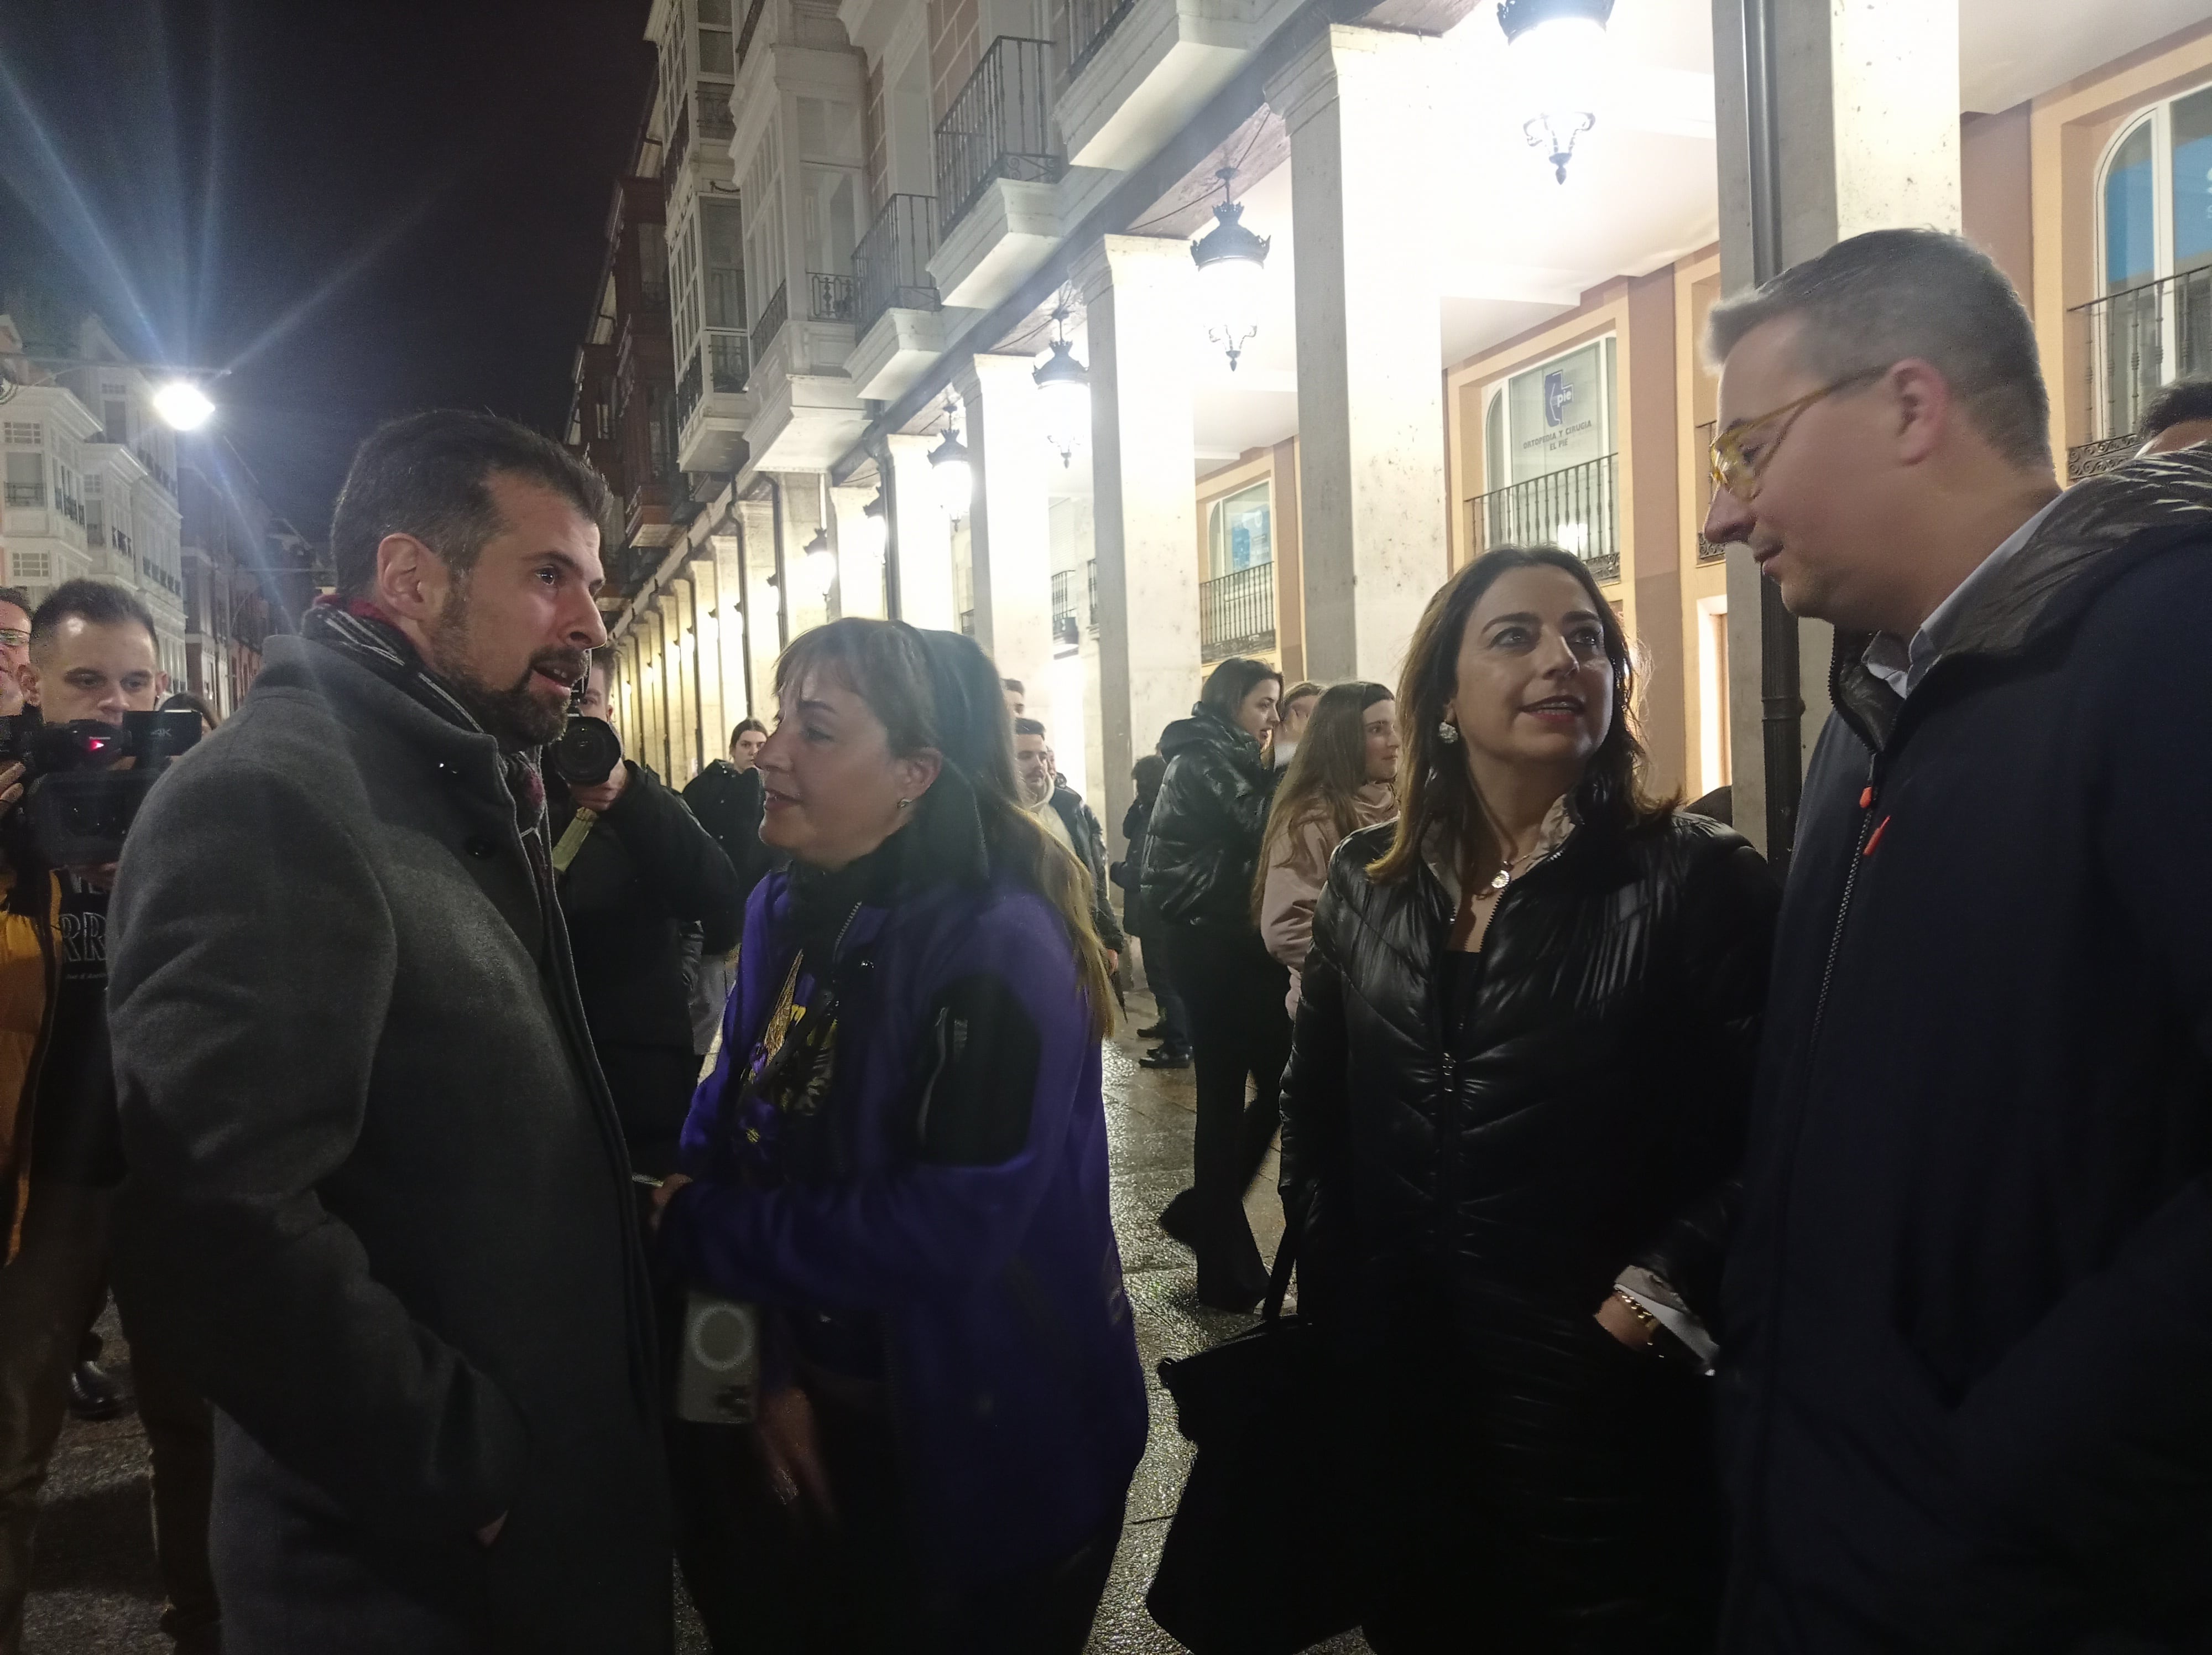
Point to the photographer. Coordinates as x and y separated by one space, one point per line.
92 657
632 868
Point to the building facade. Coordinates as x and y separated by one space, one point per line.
883 214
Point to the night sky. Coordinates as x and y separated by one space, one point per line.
366 206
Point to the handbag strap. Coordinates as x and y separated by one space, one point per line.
1286 1258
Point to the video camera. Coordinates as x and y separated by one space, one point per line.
587 749
80 798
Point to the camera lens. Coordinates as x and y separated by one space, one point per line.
586 752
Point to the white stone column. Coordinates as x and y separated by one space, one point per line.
1361 105
730 609
706 651
1137 292
762 616
925 537
1009 532
859 554
653 678
1868 95
630 723
675 601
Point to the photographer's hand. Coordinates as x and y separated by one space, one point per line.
601 798
11 786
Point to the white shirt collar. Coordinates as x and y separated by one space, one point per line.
1902 666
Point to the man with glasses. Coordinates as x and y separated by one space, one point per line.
15 646
1969 1346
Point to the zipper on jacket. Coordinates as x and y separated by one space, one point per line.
1861 845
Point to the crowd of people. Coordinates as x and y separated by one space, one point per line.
1703 1260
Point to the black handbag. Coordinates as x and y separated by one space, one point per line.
1261 1557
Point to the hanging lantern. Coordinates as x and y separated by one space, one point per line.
1230 262
1555 53
956 477
1064 395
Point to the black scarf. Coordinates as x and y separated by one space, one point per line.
362 633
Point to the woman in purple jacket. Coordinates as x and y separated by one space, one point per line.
901 1157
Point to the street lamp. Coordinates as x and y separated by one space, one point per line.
1064 393
1555 50
956 477
183 405
1231 261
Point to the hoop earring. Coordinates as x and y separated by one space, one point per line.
1448 732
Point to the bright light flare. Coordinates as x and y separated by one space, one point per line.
183 405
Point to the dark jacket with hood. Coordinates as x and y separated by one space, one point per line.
1970 1305
1207 822
647 870
728 802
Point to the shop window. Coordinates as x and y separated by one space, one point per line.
1550 460
1240 531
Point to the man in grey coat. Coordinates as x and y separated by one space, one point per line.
377 1199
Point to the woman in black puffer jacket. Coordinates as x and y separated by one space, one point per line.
1512 1123
1199 861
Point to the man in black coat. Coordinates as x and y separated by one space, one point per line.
377 1203
631 876
1968 1334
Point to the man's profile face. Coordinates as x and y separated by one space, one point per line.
1014 707
2182 433
513 635
87 670
1033 763
1823 474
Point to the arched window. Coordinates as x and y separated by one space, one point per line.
2152 320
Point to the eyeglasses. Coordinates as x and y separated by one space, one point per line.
13 639
1736 471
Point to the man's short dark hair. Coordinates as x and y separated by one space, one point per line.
2179 403
96 603
1880 297
426 474
17 596
1029 726
1015 684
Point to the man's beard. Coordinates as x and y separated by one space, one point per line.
514 716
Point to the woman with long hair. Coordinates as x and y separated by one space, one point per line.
901 1157
1339 782
1199 859
1512 1125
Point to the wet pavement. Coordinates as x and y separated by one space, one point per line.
94 1590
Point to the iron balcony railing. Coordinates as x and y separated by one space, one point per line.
1708 552
26 494
726 360
690 386
1575 509
715 120
770 321
890 267
1236 612
830 298
2128 344
999 126
1066 624
1085 25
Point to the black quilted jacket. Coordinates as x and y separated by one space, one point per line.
1601 1123
1203 846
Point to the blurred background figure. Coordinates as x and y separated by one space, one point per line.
1061 812
1339 782
1513 1121
1199 859
727 799
1291 719
2178 417
1138 921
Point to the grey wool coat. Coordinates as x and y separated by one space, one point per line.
377 1205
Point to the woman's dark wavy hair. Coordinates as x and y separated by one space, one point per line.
939 691
1433 783
1228 685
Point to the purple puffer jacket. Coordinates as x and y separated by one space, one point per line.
1018 1397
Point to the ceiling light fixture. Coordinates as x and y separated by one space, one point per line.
1064 389
1231 261
948 465
1555 52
